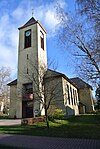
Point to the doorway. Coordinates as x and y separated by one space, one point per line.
27 109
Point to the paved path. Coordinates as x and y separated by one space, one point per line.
33 142
7 122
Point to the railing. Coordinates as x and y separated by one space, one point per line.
27 96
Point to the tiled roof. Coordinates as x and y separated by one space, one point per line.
51 73
77 82
80 83
12 83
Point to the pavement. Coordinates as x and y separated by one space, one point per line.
10 122
34 142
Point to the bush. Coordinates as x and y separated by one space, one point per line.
3 116
57 114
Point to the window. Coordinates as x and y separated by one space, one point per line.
27 38
27 70
68 94
28 88
71 95
27 56
74 96
42 40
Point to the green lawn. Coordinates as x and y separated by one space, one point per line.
84 126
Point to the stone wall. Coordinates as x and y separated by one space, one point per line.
30 121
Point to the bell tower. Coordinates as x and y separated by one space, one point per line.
32 63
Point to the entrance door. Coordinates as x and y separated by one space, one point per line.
27 109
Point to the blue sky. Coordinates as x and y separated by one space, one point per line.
15 13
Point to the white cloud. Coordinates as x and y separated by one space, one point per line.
8 43
3 25
18 13
48 16
10 21
7 57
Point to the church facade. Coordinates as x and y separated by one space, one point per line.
37 86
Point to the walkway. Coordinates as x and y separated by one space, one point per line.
9 122
33 142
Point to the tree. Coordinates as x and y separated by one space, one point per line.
43 87
5 73
91 9
81 35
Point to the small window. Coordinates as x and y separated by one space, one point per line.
68 94
42 40
71 95
74 96
27 38
28 88
27 70
27 56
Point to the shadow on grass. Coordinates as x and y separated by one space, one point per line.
84 126
85 119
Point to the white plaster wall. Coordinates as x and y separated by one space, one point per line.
71 109
37 59
13 99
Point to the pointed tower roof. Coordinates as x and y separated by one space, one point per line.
30 22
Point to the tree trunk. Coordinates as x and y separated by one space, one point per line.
46 114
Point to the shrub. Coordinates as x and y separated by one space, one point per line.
57 114
3 116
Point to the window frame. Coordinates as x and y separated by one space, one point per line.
41 40
27 39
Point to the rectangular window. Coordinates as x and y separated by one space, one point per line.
27 70
42 40
27 38
71 95
74 96
68 94
28 87
27 91
27 56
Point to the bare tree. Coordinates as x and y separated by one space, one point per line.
91 10
79 34
45 88
5 73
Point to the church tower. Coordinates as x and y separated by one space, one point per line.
32 64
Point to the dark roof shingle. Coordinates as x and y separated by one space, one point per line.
51 73
80 83
30 22
12 83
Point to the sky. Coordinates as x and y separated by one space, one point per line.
15 13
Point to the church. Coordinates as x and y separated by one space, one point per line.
38 87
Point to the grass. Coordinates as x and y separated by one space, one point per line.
84 126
